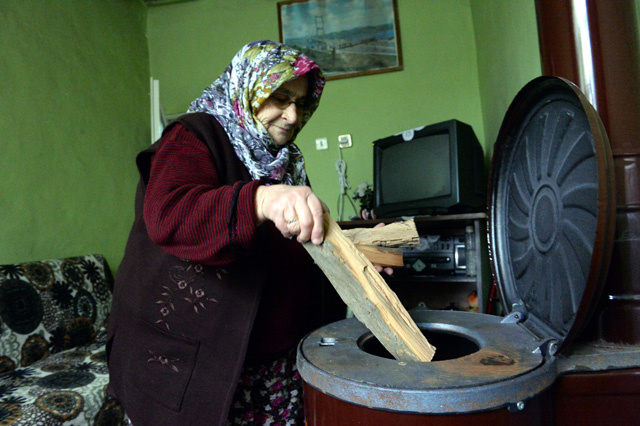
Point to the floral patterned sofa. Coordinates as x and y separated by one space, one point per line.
53 317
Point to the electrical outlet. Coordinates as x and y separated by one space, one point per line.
321 143
344 141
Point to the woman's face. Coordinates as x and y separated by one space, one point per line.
281 113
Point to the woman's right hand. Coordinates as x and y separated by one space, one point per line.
295 210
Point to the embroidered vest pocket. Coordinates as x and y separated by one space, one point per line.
164 364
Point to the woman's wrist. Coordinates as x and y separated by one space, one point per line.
259 202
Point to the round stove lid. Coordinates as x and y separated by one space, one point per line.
551 209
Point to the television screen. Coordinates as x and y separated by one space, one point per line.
399 165
430 170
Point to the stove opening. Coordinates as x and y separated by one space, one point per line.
449 345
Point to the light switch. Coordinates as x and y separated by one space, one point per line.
321 143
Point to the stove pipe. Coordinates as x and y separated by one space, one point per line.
595 44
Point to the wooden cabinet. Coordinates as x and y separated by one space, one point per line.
442 289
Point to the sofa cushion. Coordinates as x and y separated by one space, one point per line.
67 388
50 306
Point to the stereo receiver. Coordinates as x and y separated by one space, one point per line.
436 255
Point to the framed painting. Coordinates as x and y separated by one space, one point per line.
346 38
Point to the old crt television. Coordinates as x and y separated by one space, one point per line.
436 169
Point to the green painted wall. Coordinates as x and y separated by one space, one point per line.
74 110
508 56
74 107
191 43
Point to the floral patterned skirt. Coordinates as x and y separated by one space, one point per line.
269 394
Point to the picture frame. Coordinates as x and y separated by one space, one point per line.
346 38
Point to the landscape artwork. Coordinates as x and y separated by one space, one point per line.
346 38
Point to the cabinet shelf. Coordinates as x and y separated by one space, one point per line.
447 220
440 291
426 279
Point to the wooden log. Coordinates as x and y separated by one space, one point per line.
383 256
382 245
364 290
397 234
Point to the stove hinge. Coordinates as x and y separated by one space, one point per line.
548 347
518 314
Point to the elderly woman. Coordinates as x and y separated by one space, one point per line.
214 290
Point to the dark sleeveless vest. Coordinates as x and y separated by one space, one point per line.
178 331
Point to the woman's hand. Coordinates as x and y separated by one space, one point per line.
295 210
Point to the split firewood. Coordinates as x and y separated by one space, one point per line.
396 234
383 245
364 290
383 256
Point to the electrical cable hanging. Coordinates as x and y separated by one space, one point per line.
341 168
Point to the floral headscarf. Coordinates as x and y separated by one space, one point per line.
255 72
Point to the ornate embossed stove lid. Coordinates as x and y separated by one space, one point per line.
552 208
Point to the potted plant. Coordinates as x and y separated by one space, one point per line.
363 194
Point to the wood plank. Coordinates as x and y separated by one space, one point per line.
383 256
364 290
382 245
397 234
